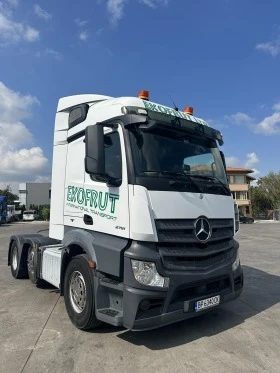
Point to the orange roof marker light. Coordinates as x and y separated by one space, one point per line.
144 95
188 110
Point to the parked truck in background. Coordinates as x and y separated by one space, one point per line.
19 209
143 224
3 209
11 214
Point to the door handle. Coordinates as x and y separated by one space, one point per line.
88 220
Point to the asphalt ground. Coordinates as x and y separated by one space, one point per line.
36 334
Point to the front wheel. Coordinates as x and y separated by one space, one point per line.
79 293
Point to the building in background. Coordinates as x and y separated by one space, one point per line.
239 183
34 194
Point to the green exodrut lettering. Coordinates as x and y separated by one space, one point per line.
92 198
81 196
113 198
169 111
103 202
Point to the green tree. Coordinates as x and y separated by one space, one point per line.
270 186
260 201
266 195
11 197
43 210
46 212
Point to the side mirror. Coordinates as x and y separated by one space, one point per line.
95 154
224 160
186 168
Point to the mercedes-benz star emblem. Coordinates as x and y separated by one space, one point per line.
202 229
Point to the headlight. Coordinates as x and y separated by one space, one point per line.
146 273
236 262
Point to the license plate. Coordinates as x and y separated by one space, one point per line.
206 303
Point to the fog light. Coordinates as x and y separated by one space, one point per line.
146 273
236 263
144 305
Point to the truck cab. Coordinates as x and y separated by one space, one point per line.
10 213
143 224
3 209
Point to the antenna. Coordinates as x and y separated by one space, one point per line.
175 107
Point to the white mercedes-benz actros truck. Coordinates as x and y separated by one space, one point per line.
142 226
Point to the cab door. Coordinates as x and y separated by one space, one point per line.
107 206
74 183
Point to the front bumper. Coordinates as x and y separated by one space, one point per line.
177 303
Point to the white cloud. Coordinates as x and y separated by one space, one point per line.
115 8
7 6
232 161
269 125
13 105
276 106
256 173
41 13
239 118
23 161
80 23
50 52
83 36
13 32
271 47
154 3
19 162
31 34
252 160
14 135
43 179
99 31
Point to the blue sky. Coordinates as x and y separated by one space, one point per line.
221 57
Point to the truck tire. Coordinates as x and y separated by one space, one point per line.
16 270
79 293
31 266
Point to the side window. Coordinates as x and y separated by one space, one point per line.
113 155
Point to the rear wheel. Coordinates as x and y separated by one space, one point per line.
79 293
32 266
16 269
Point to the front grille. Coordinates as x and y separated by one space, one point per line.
183 230
196 262
181 250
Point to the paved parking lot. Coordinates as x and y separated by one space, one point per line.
243 336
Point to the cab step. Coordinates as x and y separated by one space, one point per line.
110 316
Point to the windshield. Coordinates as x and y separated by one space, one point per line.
193 162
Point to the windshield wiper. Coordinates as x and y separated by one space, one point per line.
184 178
213 178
